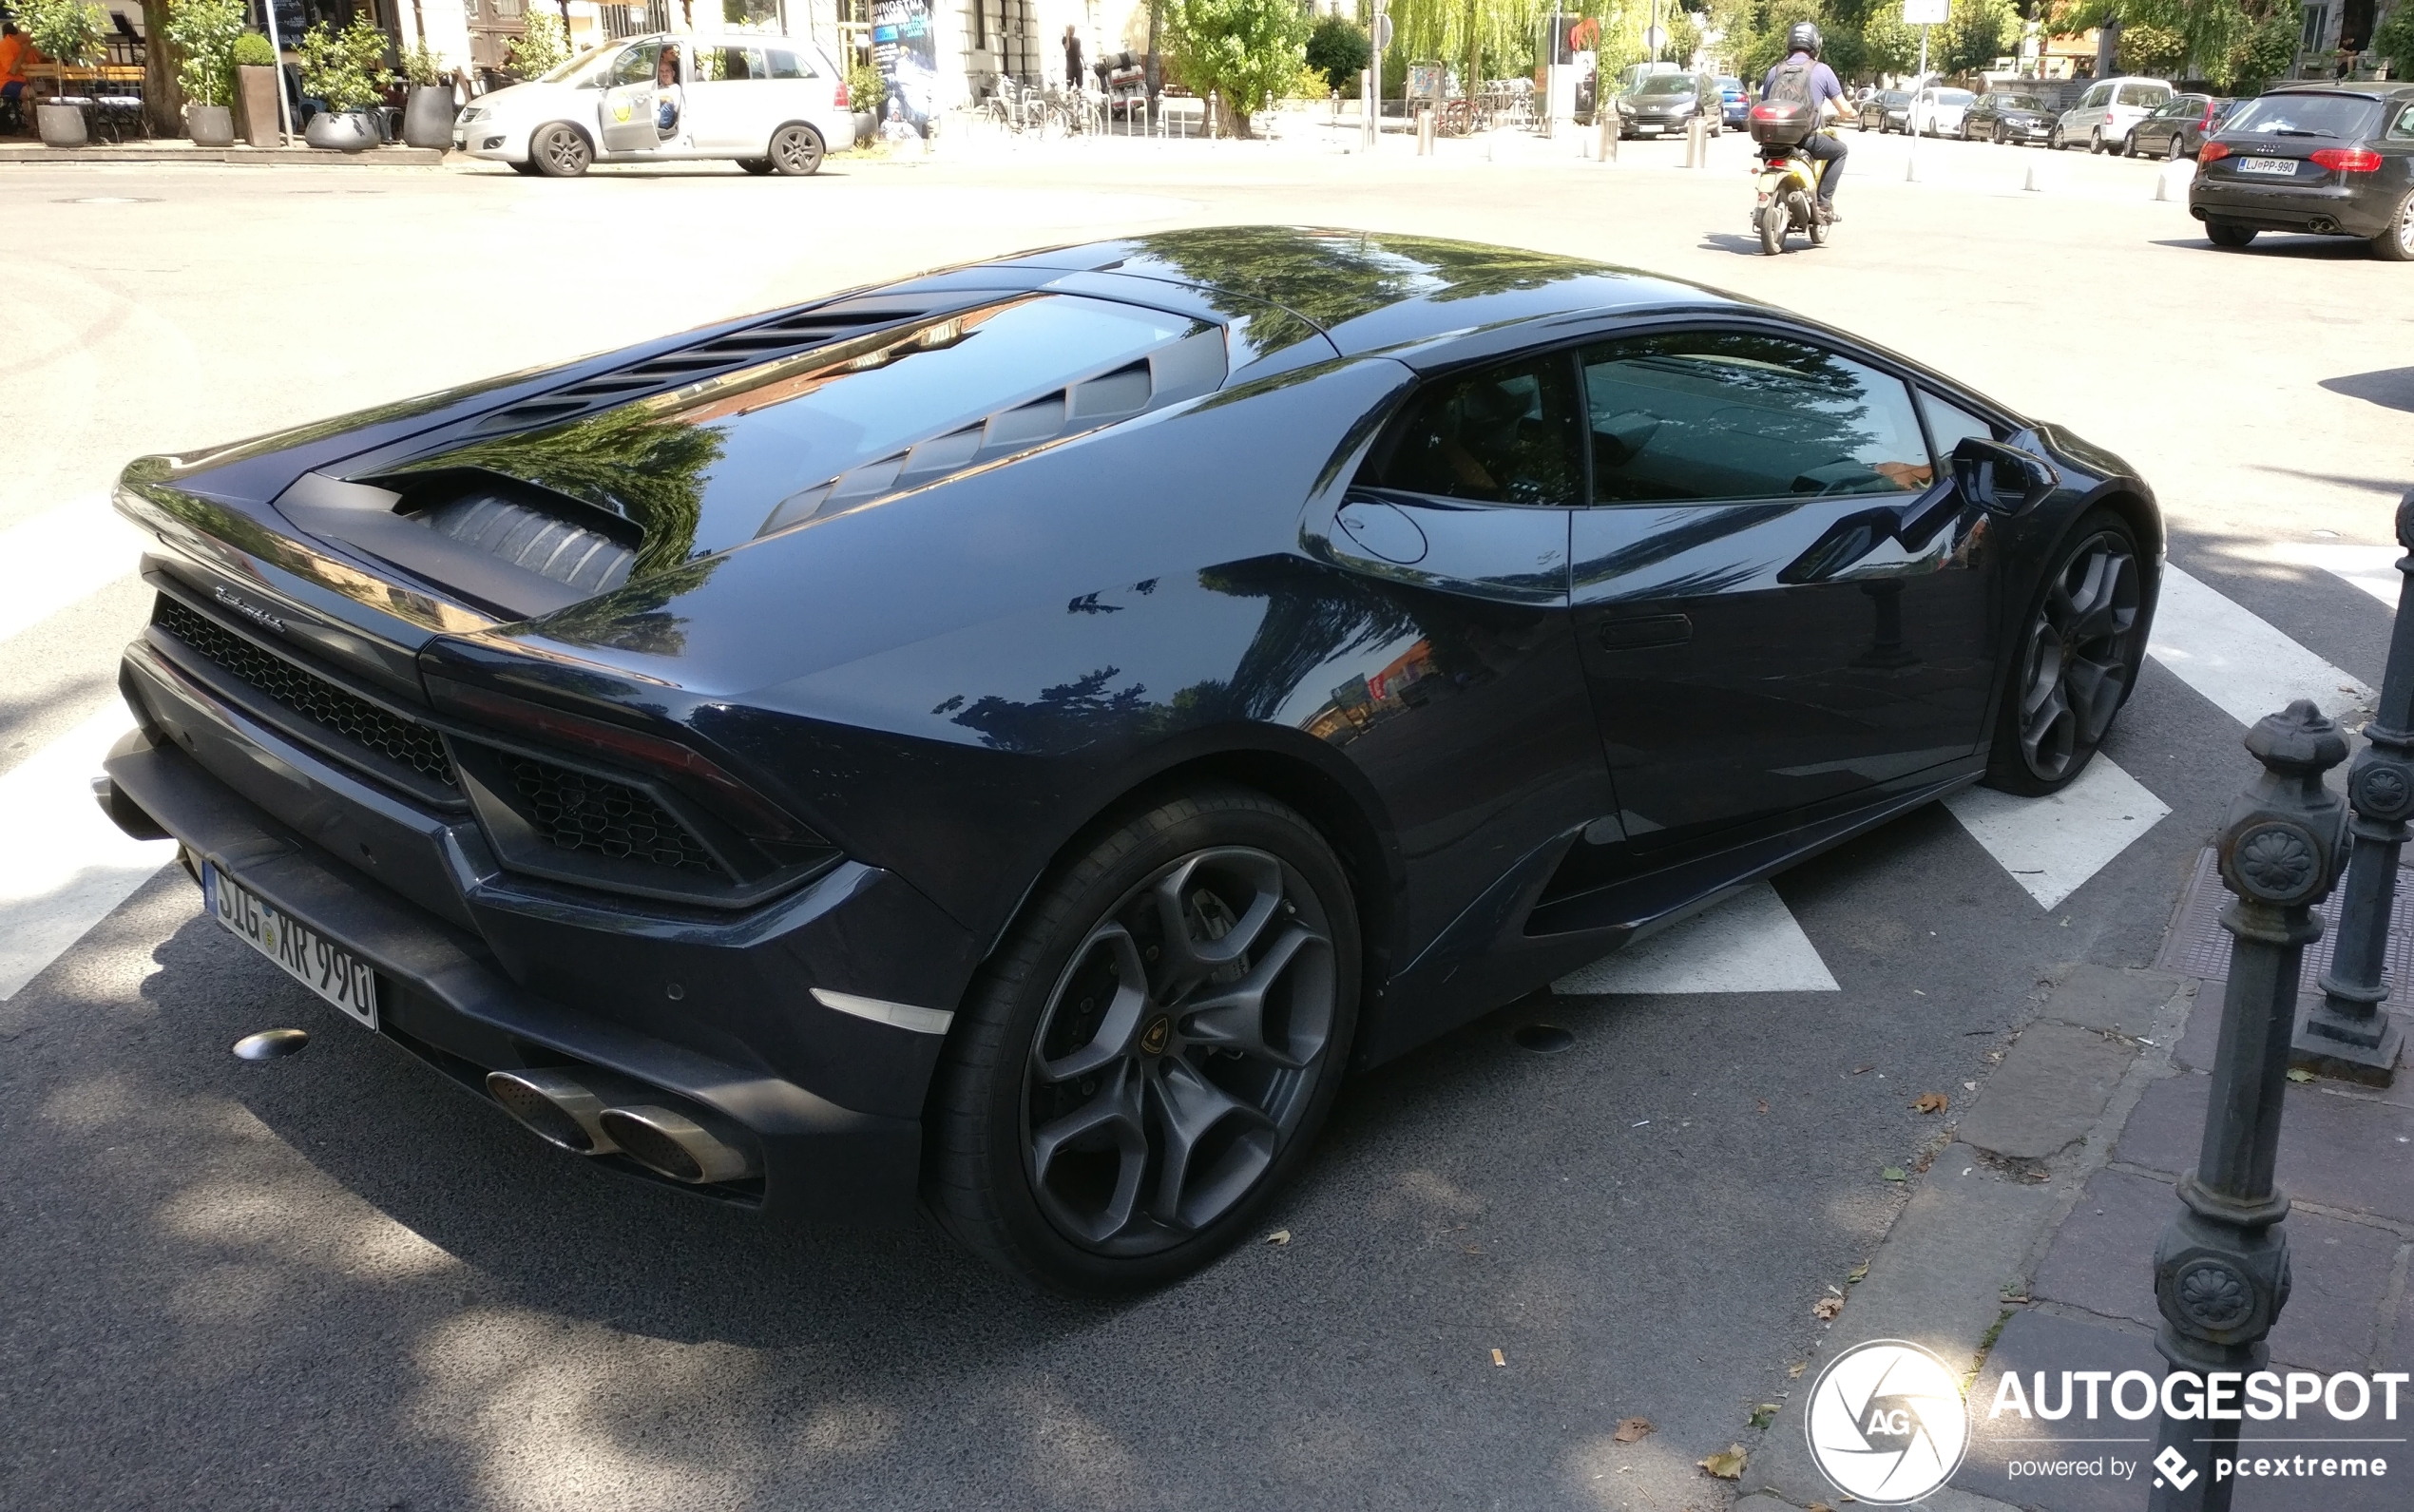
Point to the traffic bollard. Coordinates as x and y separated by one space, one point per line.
2347 1034
2221 1272
1607 121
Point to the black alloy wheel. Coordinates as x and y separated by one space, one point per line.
560 151
2227 234
2080 651
797 150
1152 1050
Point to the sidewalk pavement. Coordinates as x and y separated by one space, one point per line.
2028 1246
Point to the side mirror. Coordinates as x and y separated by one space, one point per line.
2000 479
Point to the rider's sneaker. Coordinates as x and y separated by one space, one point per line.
1828 212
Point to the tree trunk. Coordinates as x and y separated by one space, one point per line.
162 94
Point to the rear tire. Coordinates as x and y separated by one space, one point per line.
797 150
1055 1124
2396 244
2227 234
2129 146
2096 142
2171 152
559 151
2081 646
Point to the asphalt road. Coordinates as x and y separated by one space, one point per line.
335 1282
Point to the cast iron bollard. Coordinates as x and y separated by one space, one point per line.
2347 1034
2221 1273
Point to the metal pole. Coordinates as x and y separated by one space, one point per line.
1912 110
2221 1273
284 108
2348 1034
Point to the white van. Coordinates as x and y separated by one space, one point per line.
2104 114
772 105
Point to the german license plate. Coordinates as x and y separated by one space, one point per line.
307 956
2276 168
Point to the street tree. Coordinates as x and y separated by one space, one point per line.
2238 46
1237 50
1338 49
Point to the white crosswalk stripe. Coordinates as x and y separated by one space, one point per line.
2237 659
1749 943
2052 845
2370 568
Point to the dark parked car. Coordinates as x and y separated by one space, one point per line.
2178 128
2333 160
1888 110
1665 102
1012 739
2001 118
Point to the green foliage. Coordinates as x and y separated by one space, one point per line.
205 33
2394 41
1507 30
423 65
67 31
252 51
1240 49
1979 33
346 69
542 47
1338 49
866 90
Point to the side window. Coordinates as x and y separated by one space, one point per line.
1504 436
1732 414
636 65
2095 98
786 64
1949 425
2404 130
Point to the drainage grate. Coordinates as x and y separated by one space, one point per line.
2199 946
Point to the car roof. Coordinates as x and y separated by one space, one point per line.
1367 291
2376 90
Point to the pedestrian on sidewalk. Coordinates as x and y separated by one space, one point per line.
1072 58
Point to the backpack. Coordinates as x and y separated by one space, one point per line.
1792 82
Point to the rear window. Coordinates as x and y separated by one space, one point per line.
2144 94
2307 115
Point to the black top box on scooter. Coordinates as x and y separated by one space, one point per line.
1779 122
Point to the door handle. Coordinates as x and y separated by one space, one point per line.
1636 632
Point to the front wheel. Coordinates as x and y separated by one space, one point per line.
2055 141
2129 146
1151 1050
797 149
2080 651
560 151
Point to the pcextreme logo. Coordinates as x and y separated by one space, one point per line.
1887 1422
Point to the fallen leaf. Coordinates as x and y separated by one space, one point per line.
1931 1102
1279 1236
1859 1273
1728 1464
1630 1429
1763 1103
1498 1358
1764 1414
1793 1372
1892 1173
1825 1308
2299 1074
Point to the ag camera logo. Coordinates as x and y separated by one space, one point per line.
1887 1422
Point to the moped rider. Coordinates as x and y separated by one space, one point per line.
1803 80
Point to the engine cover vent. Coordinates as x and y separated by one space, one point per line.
536 540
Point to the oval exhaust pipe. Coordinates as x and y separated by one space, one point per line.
2323 225
564 1107
696 1147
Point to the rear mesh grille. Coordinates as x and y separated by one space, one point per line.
402 741
581 812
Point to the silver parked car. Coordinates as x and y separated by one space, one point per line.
2106 112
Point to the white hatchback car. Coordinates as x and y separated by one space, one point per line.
2104 114
771 103
1938 110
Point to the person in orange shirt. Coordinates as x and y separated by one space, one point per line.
15 52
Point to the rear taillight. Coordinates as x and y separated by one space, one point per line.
2108 118
2211 111
2348 160
2210 152
841 99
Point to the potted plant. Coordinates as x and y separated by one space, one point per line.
346 69
426 116
254 64
69 33
203 32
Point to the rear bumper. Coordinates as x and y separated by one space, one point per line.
2287 208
